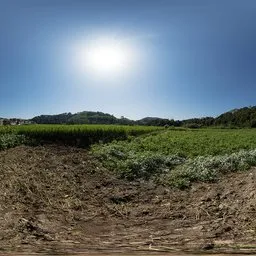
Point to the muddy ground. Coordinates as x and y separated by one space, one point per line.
57 199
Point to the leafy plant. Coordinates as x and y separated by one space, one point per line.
210 168
10 140
180 157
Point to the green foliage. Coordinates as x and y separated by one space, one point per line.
6 129
77 135
52 119
198 122
85 117
132 165
174 156
184 156
192 125
191 143
91 117
208 169
156 121
253 123
243 117
9 140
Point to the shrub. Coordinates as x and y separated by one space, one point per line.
148 166
133 165
209 169
10 140
193 126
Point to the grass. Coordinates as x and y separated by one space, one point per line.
180 157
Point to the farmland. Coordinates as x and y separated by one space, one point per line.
176 157
192 143
181 156
76 135
177 141
130 187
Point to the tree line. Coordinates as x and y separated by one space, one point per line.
244 117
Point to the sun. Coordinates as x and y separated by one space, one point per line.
104 57
107 58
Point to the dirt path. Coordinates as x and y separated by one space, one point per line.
60 200
115 254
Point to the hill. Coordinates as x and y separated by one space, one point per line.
244 117
91 117
85 117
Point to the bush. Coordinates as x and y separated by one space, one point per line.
193 126
253 123
10 140
132 165
209 169
171 169
148 166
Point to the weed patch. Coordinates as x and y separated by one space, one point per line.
10 140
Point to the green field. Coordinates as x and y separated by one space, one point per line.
173 156
192 143
181 156
76 135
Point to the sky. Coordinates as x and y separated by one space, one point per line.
187 58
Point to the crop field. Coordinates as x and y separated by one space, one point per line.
174 156
76 135
192 143
181 156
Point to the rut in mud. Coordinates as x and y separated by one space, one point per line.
58 198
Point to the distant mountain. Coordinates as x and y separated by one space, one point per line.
244 117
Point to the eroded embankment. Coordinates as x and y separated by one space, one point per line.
57 199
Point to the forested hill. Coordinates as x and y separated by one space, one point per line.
90 117
244 117
85 117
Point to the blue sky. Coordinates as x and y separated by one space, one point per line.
193 57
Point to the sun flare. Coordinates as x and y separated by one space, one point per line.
104 57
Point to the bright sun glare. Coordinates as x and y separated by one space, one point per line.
104 57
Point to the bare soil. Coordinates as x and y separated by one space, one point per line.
57 199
